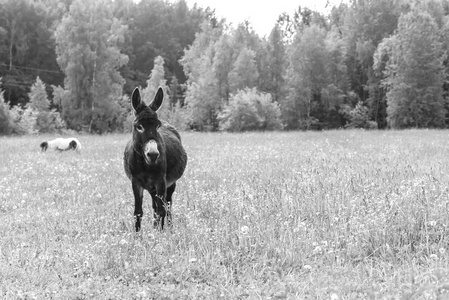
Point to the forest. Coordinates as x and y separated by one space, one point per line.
71 65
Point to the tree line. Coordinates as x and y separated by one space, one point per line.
367 64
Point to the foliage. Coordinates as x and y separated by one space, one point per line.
366 23
156 80
316 66
38 97
47 121
415 74
359 118
202 100
244 73
158 28
88 40
307 76
250 110
27 46
25 120
6 121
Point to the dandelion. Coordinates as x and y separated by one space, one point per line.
334 296
442 250
307 267
244 230
317 250
433 223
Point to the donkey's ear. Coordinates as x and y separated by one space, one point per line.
157 101
136 101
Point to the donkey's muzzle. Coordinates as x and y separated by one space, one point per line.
151 152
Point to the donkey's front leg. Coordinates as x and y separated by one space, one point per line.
159 204
138 196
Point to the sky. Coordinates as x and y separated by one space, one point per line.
262 14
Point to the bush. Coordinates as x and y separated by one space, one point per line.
6 122
359 117
24 120
178 117
249 110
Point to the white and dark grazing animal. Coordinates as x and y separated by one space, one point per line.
61 144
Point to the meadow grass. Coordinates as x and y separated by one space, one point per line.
299 215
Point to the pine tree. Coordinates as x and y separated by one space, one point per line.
156 80
38 97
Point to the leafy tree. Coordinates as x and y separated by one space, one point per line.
366 23
24 120
277 63
6 121
415 73
359 118
268 110
202 100
222 64
88 46
307 73
158 27
240 114
27 47
244 72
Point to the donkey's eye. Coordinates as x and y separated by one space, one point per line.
139 128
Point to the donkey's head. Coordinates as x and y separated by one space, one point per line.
146 123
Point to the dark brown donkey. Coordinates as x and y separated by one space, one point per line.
154 159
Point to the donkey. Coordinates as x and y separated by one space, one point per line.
154 159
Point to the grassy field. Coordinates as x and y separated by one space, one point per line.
305 215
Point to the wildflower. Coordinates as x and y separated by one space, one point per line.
307 267
334 296
433 223
244 230
442 250
192 260
433 256
317 250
